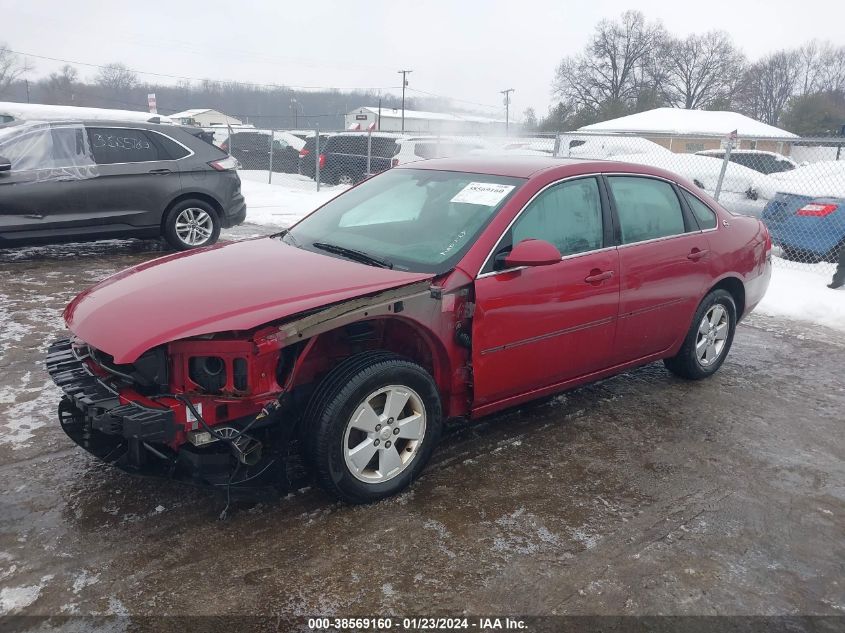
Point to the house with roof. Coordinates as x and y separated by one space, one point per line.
689 131
203 117
418 121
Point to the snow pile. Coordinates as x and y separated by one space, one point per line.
819 180
802 294
283 203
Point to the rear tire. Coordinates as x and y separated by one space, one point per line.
191 224
371 426
709 338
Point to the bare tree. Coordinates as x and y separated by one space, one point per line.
831 73
700 70
60 85
610 71
117 77
12 67
529 119
768 85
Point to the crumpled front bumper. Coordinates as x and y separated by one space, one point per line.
138 438
94 416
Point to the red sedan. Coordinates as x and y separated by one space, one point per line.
441 289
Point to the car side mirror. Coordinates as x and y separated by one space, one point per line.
5 164
532 252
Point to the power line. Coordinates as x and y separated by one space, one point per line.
431 94
258 84
188 78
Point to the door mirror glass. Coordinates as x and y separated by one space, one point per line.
5 164
532 252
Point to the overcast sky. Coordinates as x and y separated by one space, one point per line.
465 49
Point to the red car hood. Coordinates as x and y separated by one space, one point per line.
235 286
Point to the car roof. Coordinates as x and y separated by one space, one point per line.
516 166
375 134
528 166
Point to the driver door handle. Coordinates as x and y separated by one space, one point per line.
161 172
597 276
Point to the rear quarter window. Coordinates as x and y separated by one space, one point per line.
703 214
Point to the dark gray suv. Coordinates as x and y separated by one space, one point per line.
75 181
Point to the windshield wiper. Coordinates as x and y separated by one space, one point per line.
351 253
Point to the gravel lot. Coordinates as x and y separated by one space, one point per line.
642 494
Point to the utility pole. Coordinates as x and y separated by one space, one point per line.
404 83
507 102
27 89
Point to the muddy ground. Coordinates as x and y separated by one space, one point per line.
642 494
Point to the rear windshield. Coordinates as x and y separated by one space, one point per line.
415 219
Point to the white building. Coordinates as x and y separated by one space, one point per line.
204 117
683 130
417 121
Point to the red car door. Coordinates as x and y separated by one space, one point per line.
664 266
538 326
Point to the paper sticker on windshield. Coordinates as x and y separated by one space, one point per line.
487 193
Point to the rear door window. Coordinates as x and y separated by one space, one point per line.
648 209
122 145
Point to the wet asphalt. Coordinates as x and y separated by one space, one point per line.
642 494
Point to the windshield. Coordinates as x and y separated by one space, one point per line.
412 219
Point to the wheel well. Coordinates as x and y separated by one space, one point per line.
193 196
393 334
737 290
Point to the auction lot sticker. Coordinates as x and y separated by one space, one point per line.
487 193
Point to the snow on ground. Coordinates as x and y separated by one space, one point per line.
799 291
289 198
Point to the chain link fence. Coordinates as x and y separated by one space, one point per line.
796 186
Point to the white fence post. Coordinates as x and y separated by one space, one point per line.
270 174
725 162
317 156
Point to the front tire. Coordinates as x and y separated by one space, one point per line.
191 224
709 338
371 426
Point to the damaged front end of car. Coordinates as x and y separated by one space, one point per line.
221 409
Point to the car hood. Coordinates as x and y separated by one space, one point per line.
234 286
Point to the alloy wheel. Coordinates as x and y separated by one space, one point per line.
194 226
712 335
384 434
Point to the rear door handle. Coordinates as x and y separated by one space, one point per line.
597 276
696 254
161 172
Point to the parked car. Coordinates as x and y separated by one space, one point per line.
806 213
75 181
741 190
253 151
307 160
424 147
344 159
442 289
758 160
